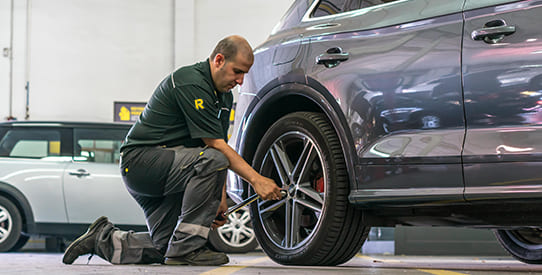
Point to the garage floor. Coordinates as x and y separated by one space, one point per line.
258 263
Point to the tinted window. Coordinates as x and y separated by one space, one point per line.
98 145
330 7
31 143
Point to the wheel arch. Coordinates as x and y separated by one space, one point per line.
287 95
19 199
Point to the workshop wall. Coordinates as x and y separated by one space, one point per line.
80 56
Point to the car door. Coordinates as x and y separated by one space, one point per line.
502 75
394 68
92 182
33 159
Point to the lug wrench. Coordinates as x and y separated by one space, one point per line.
244 203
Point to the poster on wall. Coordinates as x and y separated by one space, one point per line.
127 111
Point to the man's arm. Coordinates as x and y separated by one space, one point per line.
265 187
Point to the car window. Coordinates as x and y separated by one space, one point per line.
331 7
98 145
391 13
31 143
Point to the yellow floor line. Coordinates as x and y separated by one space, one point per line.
440 272
229 269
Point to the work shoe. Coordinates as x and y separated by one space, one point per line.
85 243
202 256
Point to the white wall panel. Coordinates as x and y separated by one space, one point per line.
185 31
253 19
87 54
5 19
83 55
20 62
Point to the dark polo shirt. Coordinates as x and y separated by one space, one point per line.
183 109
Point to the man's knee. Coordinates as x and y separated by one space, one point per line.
211 161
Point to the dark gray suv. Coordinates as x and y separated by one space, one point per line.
379 113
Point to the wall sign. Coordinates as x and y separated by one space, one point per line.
127 111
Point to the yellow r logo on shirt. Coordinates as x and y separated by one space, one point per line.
199 103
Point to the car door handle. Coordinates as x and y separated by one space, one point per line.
332 57
80 173
493 32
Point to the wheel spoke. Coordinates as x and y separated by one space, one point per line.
234 217
314 207
3 216
304 160
288 225
282 174
236 237
247 231
306 189
282 163
271 208
3 232
226 228
294 227
245 217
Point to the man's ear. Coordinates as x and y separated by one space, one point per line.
219 60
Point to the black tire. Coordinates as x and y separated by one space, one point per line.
237 235
23 239
10 225
314 224
523 244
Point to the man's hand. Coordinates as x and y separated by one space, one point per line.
222 208
266 188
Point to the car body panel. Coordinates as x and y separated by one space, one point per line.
63 191
102 192
34 180
383 90
476 4
503 92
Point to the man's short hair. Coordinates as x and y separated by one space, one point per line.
229 47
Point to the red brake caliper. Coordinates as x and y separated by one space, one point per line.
319 184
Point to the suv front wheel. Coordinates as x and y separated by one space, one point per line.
314 224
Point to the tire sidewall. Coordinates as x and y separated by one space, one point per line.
521 253
16 227
303 123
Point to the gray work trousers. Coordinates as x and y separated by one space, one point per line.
179 210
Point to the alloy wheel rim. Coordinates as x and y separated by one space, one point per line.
237 232
295 162
5 224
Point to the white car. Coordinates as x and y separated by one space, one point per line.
57 177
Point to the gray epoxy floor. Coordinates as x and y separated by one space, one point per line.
258 263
